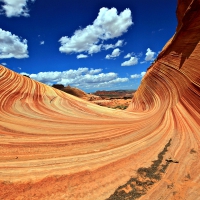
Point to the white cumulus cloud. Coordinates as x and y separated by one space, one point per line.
143 73
128 55
119 43
138 75
132 61
94 49
115 53
107 25
82 78
81 56
150 55
11 46
24 73
94 71
15 8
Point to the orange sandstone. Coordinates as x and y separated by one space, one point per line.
57 146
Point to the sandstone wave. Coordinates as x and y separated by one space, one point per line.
56 146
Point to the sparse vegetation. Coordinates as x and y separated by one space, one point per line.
26 76
115 94
144 179
192 151
170 186
188 176
122 107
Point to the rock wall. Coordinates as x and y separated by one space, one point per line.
57 146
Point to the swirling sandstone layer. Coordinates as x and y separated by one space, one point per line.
57 146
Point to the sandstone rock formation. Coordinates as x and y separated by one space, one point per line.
116 94
57 146
77 92
71 90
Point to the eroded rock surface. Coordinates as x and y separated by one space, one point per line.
57 146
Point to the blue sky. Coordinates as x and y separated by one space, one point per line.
92 45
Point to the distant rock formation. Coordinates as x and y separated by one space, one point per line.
57 146
70 90
115 94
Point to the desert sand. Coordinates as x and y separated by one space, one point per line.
57 146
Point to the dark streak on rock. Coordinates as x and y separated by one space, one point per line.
145 178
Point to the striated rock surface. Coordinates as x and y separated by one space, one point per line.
71 90
57 146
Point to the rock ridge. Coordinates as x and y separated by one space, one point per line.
57 146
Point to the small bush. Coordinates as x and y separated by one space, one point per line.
122 107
